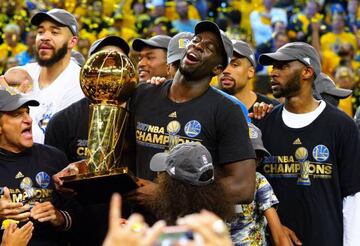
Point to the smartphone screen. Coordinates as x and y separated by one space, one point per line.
174 236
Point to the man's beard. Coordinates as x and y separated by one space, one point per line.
57 56
229 90
293 85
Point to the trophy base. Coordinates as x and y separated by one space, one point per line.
96 188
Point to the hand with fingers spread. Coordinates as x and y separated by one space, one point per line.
156 80
46 212
14 236
134 232
210 227
12 210
260 110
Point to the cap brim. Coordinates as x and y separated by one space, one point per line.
158 162
270 58
112 40
262 152
339 92
39 17
18 103
175 58
139 44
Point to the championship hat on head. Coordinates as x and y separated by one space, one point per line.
296 51
60 16
209 26
256 141
190 163
177 45
243 49
324 84
11 100
158 41
109 40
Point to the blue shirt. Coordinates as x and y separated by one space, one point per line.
238 102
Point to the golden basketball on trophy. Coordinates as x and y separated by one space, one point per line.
108 78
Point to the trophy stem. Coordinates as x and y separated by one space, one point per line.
106 124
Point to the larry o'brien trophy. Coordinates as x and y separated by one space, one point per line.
108 78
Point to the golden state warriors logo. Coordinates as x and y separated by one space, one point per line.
192 128
320 153
42 179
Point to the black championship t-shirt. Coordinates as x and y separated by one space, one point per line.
311 170
210 119
28 177
67 130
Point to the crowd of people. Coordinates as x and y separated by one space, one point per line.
290 177
330 26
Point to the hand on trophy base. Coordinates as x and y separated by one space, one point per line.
93 187
70 171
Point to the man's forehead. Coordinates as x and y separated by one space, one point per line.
147 50
52 24
209 35
21 109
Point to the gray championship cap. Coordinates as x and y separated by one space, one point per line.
209 26
60 16
109 40
324 84
296 51
11 100
158 41
243 49
177 45
256 141
190 163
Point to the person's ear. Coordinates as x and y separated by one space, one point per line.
308 73
218 70
251 72
168 67
73 42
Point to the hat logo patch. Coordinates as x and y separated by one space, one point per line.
192 128
321 153
253 133
172 170
183 43
307 60
204 159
